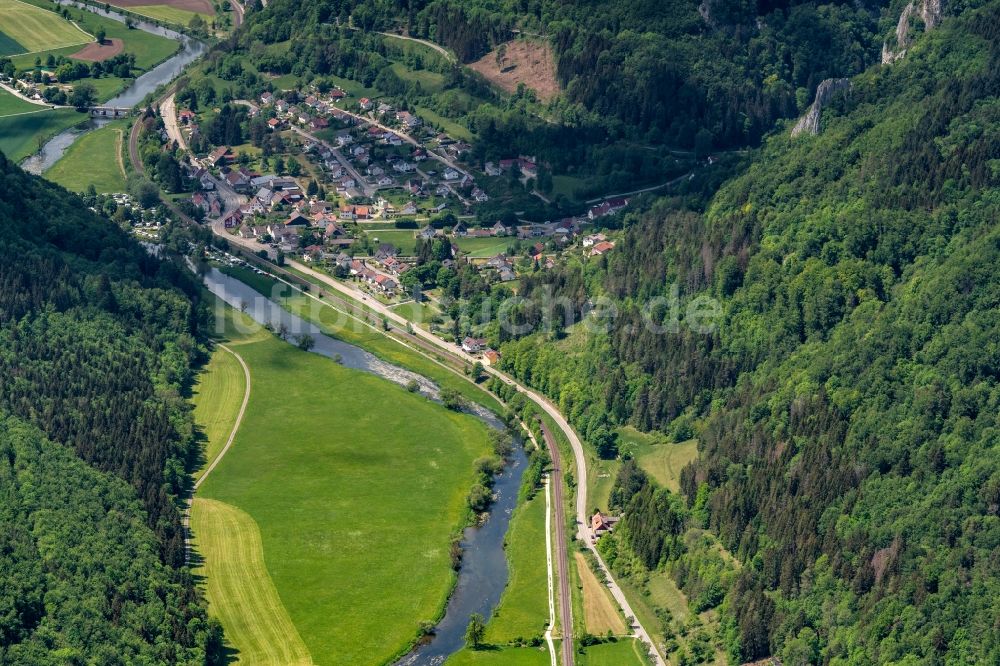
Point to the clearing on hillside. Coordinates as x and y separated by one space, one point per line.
530 62
27 29
95 52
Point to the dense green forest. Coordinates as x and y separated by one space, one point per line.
673 72
846 401
97 341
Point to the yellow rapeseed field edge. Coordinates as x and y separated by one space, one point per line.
240 591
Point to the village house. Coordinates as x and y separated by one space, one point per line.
609 207
220 156
601 524
266 98
297 220
593 239
472 345
601 248
491 357
408 120
491 169
365 104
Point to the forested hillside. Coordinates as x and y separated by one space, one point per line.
715 74
96 343
846 403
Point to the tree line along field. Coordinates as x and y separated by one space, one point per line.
355 487
28 28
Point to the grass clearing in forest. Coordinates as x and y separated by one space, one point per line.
357 487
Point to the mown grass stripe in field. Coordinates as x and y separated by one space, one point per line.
240 592
36 29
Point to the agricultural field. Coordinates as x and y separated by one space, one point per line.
217 396
11 105
523 611
27 28
149 50
521 656
178 12
623 652
356 487
599 613
483 247
239 591
21 135
93 159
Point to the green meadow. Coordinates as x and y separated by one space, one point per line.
356 487
11 105
623 652
93 159
22 135
523 612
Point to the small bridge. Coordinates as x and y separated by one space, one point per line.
110 111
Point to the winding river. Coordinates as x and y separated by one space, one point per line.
483 575
165 72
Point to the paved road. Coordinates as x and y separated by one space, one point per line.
366 187
238 10
168 111
437 47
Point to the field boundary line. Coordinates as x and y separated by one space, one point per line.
236 425
26 113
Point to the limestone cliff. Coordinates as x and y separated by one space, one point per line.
929 13
824 93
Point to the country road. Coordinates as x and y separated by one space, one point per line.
437 47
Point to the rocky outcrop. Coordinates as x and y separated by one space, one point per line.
930 15
824 93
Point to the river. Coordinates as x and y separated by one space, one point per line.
165 72
484 573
